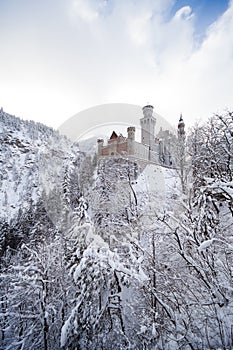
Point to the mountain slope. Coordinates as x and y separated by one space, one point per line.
28 151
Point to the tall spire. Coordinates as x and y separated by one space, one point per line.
181 125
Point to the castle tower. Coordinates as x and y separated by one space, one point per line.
131 133
181 131
131 140
182 153
100 147
148 126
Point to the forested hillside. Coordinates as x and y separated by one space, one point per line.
108 255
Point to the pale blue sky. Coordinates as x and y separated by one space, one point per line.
59 57
207 11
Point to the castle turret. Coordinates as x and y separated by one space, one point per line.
131 133
148 111
148 126
131 140
100 147
181 125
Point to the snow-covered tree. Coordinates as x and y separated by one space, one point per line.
194 256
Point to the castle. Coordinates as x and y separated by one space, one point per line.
153 148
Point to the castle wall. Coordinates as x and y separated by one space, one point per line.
105 151
141 151
154 156
114 148
159 153
122 147
131 147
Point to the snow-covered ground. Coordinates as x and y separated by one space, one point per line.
157 184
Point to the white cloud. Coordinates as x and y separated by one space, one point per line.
138 28
210 69
184 13
87 10
89 52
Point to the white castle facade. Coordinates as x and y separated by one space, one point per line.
152 148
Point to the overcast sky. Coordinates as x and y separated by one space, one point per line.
59 57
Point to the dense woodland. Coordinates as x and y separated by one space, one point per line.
92 259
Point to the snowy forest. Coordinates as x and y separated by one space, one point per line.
95 255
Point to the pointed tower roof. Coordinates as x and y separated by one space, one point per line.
113 136
181 121
181 125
